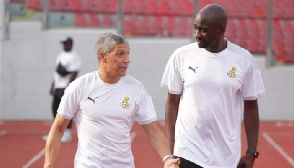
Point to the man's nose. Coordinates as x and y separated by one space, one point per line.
127 58
197 34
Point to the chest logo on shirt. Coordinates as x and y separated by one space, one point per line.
92 99
125 104
232 73
192 69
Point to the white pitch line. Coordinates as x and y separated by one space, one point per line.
2 133
133 135
34 159
279 124
278 148
284 124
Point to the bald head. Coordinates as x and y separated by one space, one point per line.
213 14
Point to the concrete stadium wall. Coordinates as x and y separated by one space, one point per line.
28 63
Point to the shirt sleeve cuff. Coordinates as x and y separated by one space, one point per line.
147 121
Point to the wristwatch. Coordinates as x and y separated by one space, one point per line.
255 153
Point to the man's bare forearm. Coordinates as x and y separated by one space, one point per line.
73 76
54 140
158 141
171 112
52 147
251 122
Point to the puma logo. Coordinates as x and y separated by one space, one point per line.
192 69
89 98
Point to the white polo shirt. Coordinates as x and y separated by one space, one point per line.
71 61
212 87
104 114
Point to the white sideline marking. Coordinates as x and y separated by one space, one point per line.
2 133
278 148
133 135
33 132
284 124
34 159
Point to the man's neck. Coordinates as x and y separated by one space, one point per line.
108 78
220 45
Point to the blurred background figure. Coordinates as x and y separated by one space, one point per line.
68 64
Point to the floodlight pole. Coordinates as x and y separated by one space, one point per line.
45 20
196 4
269 53
120 17
6 16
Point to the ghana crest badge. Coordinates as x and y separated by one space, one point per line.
232 73
125 104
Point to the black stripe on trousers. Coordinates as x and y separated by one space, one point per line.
186 163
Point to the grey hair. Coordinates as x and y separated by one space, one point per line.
107 42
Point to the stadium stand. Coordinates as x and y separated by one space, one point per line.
247 25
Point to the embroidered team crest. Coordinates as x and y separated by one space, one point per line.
232 73
125 104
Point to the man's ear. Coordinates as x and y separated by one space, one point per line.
102 57
222 28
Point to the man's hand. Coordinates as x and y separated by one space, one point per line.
51 91
247 161
171 163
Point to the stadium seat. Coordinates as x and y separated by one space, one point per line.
107 20
64 5
74 5
241 32
283 9
34 5
128 26
278 10
140 25
289 12
184 30
187 7
241 9
138 7
174 9
230 32
151 7
162 7
155 26
93 20
252 28
168 25
85 6
57 5
80 20
111 6
127 7
98 6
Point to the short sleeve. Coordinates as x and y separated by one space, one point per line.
171 77
146 113
252 86
75 63
69 104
